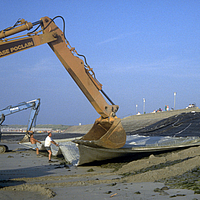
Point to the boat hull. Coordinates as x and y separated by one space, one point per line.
89 154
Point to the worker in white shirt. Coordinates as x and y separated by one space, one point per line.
47 144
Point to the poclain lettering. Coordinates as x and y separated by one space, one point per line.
21 46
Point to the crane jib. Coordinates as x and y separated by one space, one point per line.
13 47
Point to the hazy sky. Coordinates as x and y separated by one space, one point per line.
137 49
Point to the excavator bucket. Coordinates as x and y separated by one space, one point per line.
105 134
25 138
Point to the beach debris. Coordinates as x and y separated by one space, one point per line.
138 192
64 163
113 195
10 156
163 193
164 188
90 170
161 190
112 184
177 195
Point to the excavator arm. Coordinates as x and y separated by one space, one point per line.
107 130
34 105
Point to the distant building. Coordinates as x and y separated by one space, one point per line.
24 129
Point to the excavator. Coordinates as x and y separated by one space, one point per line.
107 131
34 105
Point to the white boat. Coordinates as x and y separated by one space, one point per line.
80 154
135 145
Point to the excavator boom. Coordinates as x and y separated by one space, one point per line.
107 130
34 105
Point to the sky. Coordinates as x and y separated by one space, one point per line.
138 49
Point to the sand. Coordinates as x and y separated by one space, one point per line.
23 175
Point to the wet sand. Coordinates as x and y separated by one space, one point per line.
23 175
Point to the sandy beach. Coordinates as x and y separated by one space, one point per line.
23 175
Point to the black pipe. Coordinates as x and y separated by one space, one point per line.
107 97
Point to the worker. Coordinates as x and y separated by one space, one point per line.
47 144
33 142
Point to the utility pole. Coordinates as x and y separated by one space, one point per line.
143 105
174 99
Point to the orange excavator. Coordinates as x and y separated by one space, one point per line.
107 131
